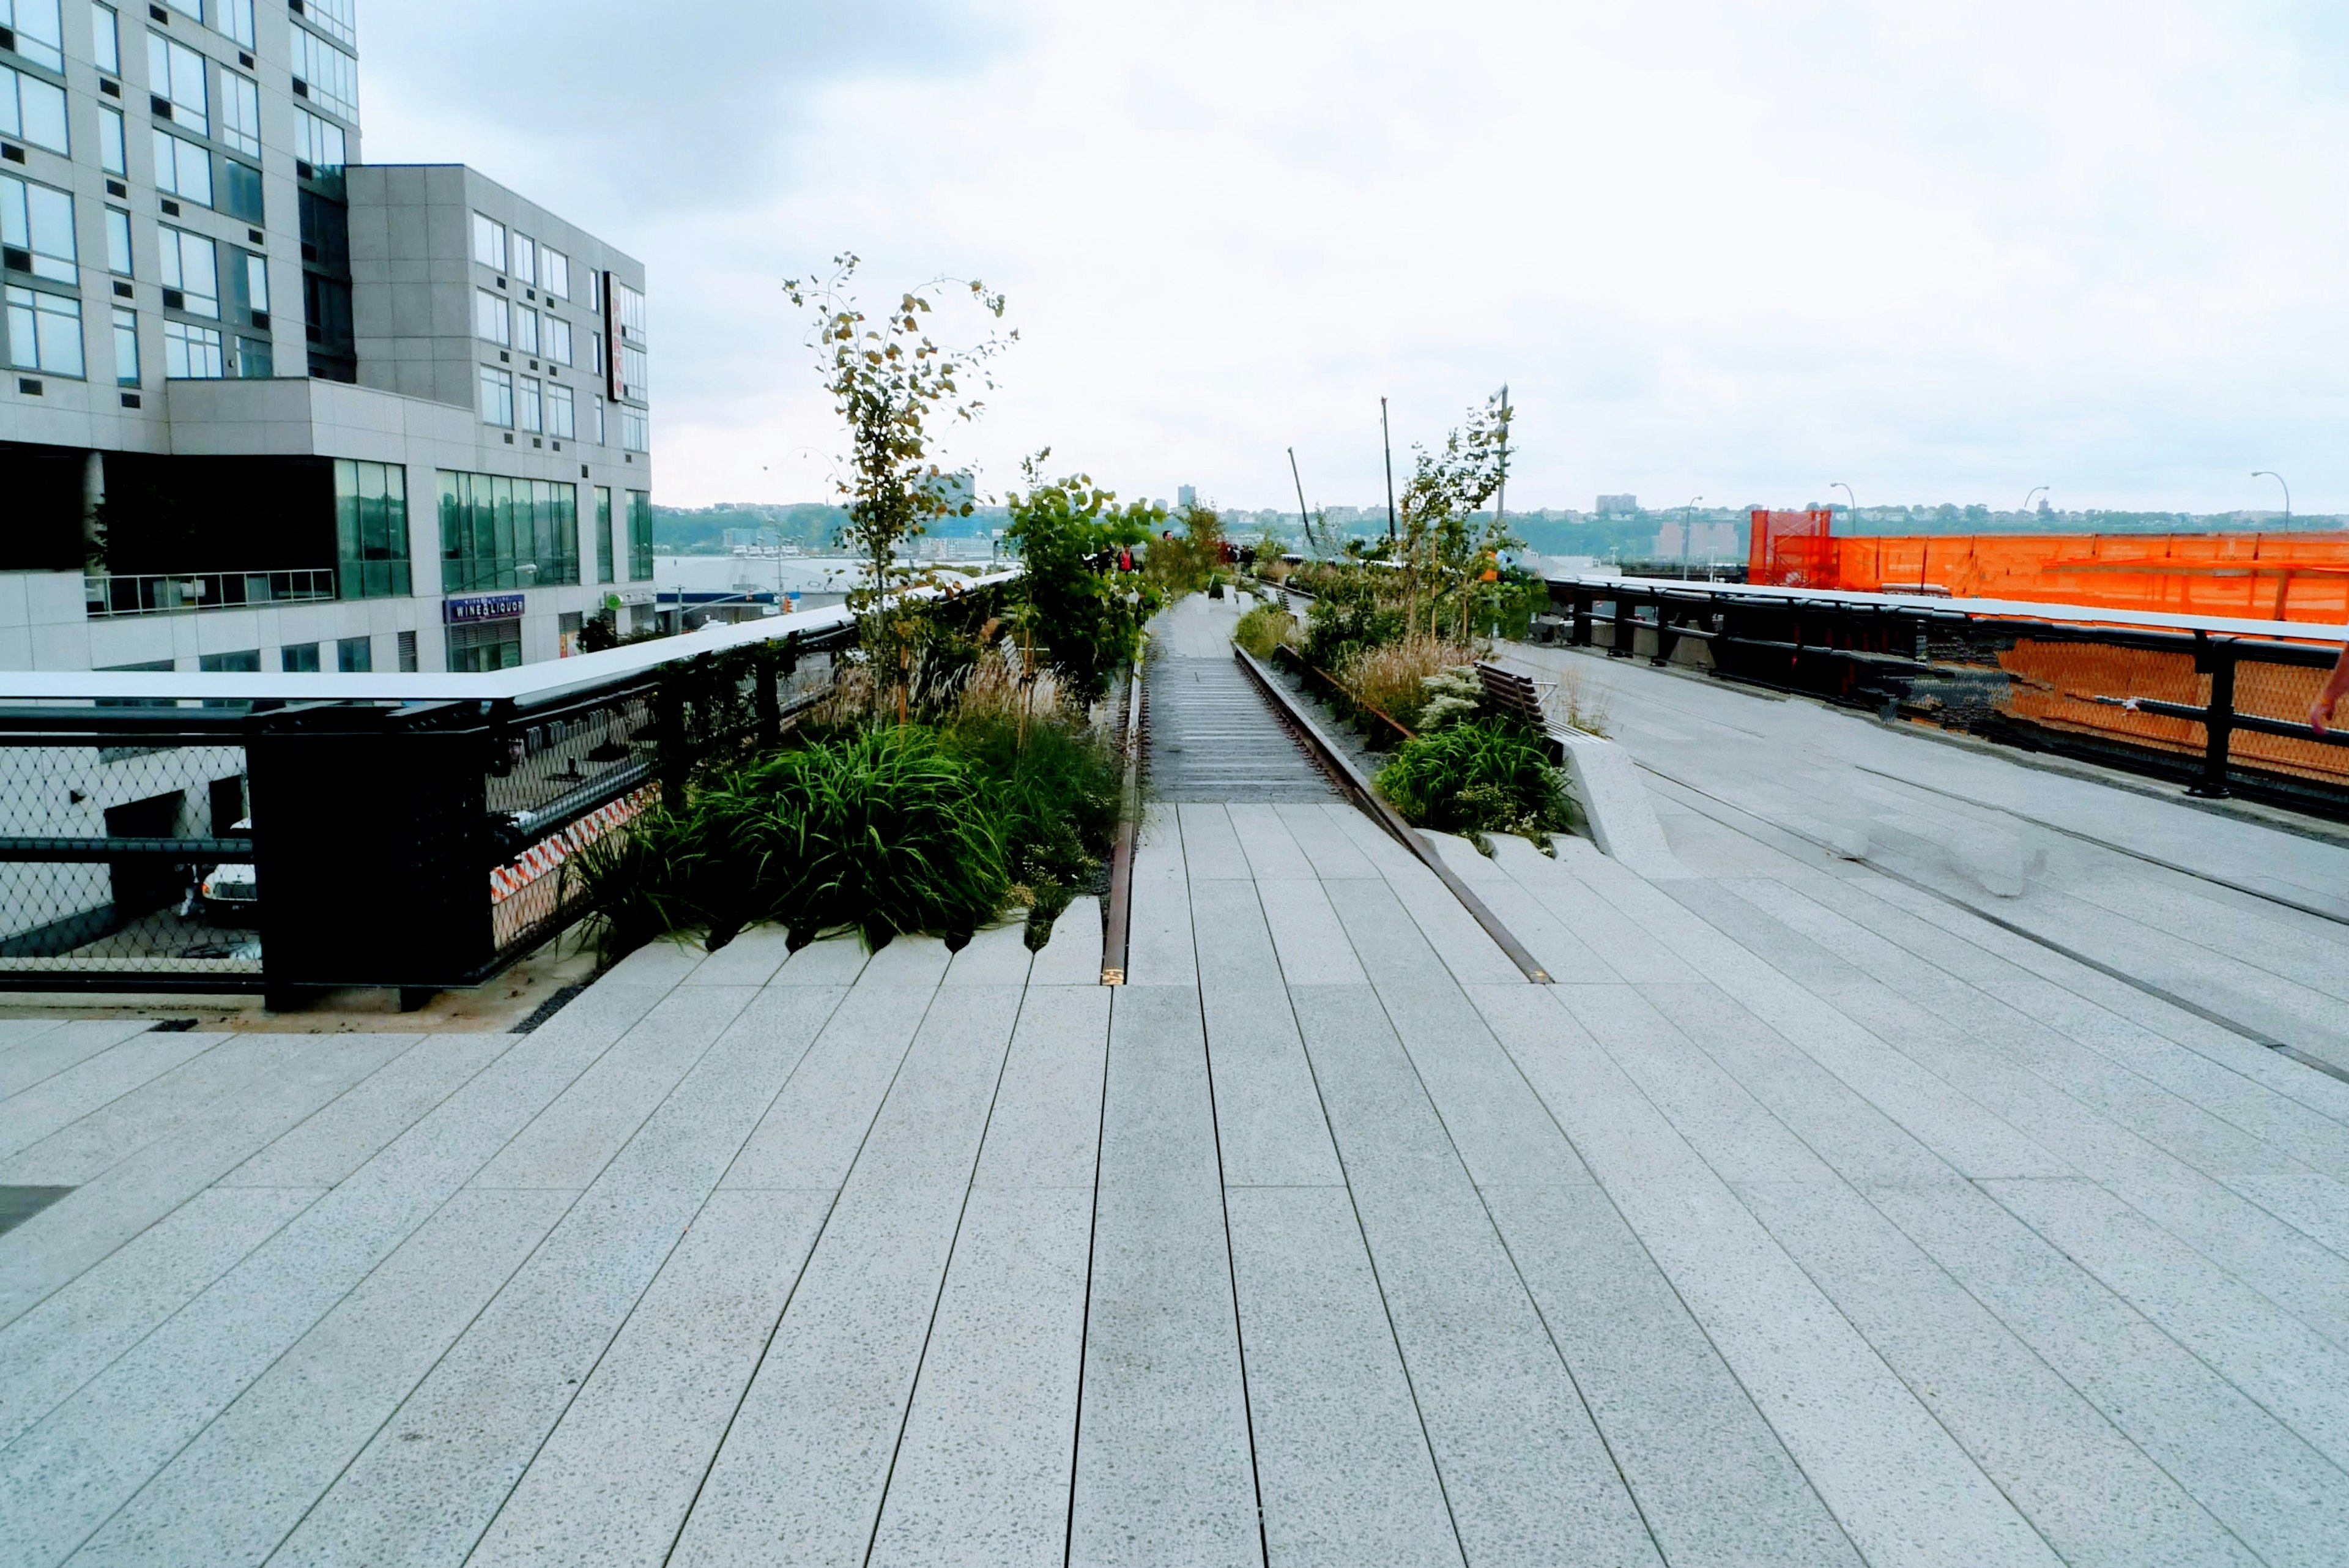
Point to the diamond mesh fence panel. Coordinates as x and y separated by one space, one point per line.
93 884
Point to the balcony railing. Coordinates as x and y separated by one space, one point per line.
164 593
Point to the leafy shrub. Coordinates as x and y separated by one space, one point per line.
1055 793
1484 776
1265 628
1453 696
885 830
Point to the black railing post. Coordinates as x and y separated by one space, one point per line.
1667 634
1580 636
668 744
2218 661
766 672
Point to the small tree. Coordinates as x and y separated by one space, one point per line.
889 382
1445 548
1084 615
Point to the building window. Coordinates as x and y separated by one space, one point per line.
37 231
331 76
320 143
246 662
237 20
493 319
336 18
256 358
190 266
240 191
561 416
489 242
182 169
241 113
191 353
600 439
635 430
126 346
39 29
595 289
298 658
558 339
636 371
603 534
497 398
526 321
632 311
554 273
528 413
371 530
525 260
33 109
44 331
355 655
175 75
498 532
640 535
106 39
113 153
490 645
596 351
255 274
117 242
406 643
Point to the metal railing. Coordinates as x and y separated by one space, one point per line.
165 593
2214 703
291 832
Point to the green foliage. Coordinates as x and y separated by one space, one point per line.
1449 554
1483 776
1056 794
884 830
1265 628
1081 618
1453 696
1354 608
889 382
1188 563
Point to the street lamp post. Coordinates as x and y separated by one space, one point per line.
2272 473
1851 509
2034 490
1688 514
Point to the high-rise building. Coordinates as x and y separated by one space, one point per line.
1618 505
266 406
1186 496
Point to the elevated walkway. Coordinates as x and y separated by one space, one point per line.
1850 1200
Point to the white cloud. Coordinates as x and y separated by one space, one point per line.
1939 252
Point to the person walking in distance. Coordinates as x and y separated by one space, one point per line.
2336 686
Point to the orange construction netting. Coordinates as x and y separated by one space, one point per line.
2250 576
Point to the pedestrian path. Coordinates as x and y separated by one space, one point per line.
1212 736
1808 1219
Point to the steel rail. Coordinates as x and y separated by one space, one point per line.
1387 818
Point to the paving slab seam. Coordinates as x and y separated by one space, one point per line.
1085 1312
766 1347
289 1349
2018 1333
360 1451
1378 1278
2256 1036
1831 1303
1231 1265
1662 1273
929 1328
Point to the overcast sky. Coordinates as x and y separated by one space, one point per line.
1726 248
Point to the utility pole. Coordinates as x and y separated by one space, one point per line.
1501 500
1386 444
1302 515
